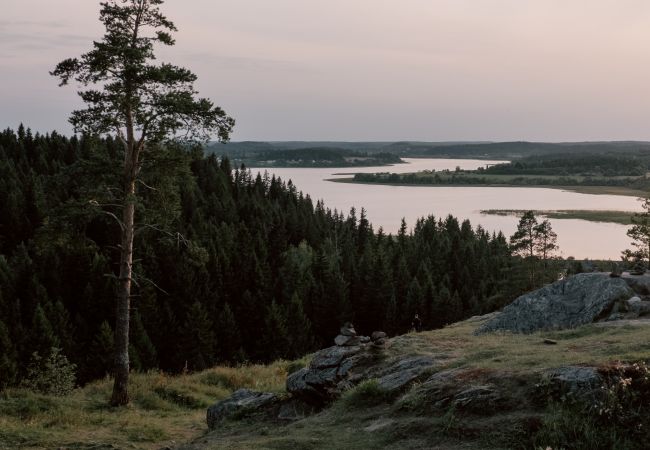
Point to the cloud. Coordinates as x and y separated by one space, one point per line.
17 37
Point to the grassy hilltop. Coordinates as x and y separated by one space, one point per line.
170 411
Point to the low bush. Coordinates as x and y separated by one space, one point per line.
53 375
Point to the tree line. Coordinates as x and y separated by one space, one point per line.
233 266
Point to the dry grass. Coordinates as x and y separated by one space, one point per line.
590 344
164 409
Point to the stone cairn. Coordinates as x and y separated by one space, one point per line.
379 338
348 337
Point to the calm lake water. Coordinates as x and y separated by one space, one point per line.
386 205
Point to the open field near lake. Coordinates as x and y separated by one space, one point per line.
622 217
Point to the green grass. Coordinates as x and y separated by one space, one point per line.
366 394
163 409
621 217
590 344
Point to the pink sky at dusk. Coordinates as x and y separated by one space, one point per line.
435 70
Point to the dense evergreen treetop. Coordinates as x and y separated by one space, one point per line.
234 266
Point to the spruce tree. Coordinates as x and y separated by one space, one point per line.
8 365
300 338
99 361
198 338
43 338
276 332
228 341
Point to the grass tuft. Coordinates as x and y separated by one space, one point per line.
367 394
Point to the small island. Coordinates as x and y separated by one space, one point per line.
620 173
620 217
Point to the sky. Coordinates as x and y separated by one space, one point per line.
375 70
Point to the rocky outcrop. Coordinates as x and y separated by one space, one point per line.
403 372
639 283
239 403
477 398
336 369
568 303
328 375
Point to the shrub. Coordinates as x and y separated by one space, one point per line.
53 374
617 418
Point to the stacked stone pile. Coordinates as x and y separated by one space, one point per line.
379 338
348 337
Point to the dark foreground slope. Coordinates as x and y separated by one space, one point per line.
586 387
168 411
499 392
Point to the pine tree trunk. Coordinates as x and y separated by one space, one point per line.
120 394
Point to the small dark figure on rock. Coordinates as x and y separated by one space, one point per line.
417 323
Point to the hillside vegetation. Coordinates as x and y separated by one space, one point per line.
171 410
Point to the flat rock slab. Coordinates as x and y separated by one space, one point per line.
482 398
402 373
240 402
568 303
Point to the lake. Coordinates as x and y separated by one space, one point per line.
386 205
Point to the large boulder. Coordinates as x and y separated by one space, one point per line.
241 402
568 303
639 283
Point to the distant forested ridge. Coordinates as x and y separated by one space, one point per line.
263 156
234 267
479 150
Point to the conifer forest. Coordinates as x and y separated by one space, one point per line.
233 266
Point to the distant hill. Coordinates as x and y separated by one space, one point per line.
505 150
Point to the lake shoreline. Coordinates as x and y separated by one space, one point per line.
590 215
594 190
